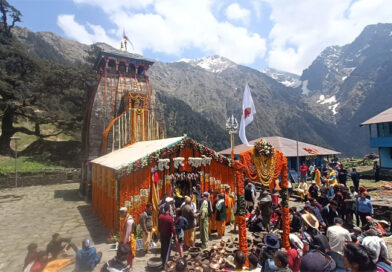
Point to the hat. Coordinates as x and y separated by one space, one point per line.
265 197
86 243
383 222
123 209
168 199
310 220
317 261
206 194
271 240
313 182
357 229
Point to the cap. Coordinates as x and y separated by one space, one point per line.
86 243
168 199
123 209
206 194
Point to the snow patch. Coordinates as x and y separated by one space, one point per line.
344 78
184 60
285 78
333 108
291 83
215 64
305 90
322 97
332 100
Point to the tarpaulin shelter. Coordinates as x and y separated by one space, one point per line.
136 174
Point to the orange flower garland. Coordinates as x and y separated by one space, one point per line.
243 239
281 170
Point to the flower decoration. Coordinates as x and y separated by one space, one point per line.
178 161
166 152
263 147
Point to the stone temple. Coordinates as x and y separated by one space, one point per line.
119 110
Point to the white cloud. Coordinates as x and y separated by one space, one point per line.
170 27
302 29
79 32
235 12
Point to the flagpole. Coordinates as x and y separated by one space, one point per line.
297 151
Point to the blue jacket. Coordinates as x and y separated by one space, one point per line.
86 259
364 206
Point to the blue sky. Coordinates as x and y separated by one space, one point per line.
283 34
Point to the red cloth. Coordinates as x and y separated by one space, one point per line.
303 169
166 225
294 261
156 177
37 267
30 257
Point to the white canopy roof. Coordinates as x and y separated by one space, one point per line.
119 159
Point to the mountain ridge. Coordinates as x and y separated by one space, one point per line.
326 104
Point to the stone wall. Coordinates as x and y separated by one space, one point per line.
41 178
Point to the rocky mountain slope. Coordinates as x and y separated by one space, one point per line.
286 78
341 88
351 83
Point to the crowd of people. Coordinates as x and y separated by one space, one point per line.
335 229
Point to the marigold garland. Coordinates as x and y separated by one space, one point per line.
243 239
265 167
280 170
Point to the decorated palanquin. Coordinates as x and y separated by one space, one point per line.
140 173
262 164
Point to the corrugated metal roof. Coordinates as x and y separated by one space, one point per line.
287 146
383 117
119 159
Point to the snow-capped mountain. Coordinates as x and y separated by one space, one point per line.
286 78
215 64
349 84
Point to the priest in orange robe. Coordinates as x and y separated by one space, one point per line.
229 203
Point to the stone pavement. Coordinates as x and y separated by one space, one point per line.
33 214
39 212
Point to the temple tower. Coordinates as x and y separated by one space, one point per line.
119 111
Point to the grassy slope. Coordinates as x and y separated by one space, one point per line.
25 164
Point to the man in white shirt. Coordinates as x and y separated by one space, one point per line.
376 244
338 236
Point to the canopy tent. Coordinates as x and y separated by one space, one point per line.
137 174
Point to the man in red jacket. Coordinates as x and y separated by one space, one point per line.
304 170
167 231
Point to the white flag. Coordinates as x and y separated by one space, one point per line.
248 109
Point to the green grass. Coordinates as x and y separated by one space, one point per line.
355 162
25 164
